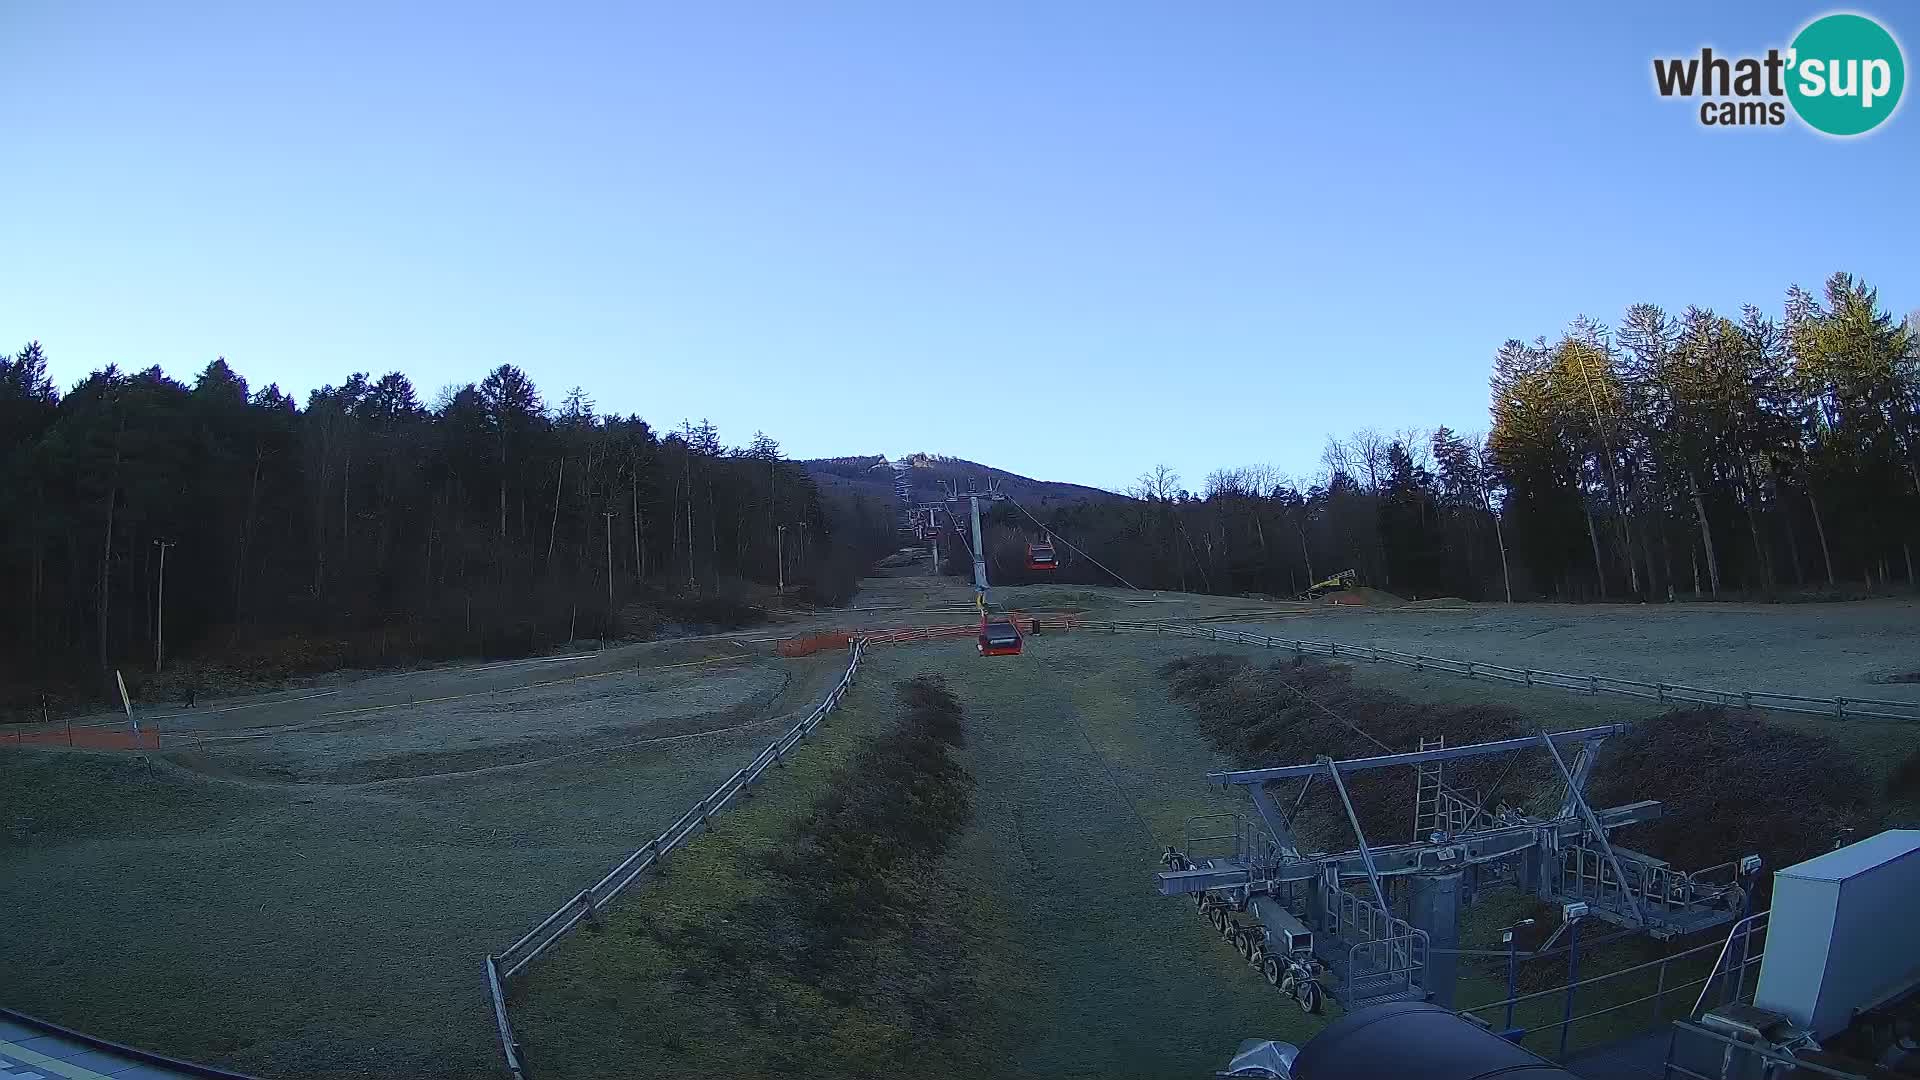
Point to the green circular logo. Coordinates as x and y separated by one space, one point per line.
1845 74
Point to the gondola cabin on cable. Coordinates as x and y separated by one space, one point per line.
1040 557
999 636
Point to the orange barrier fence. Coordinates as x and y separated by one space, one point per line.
813 643
918 633
808 644
85 738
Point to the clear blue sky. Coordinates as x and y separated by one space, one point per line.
1070 240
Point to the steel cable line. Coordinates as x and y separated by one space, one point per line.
1056 535
1308 698
962 534
1302 694
1355 728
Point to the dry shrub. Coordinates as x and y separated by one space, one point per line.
1292 711
1732 784
1904 781
861 943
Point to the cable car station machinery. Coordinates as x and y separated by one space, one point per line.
1381 923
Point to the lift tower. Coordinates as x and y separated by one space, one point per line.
973 495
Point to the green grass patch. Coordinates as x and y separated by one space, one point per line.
1040 597
58 796
307 931
1069 962
1086 771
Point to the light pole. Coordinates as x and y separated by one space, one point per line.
1573 913
609 515
781 558
160 608
1506 938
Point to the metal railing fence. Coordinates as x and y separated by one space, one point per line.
1839 708
588 903
1627 987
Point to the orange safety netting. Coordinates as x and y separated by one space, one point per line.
813 643
85 738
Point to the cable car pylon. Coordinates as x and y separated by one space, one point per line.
999 636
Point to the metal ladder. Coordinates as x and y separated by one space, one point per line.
1428 814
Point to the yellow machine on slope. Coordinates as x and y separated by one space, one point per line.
1345 579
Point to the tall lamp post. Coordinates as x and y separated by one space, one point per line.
609 515
160 608
781 558
1572 913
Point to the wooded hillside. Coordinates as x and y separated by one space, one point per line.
367 527
1691 454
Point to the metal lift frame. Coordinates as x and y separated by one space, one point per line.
1640 895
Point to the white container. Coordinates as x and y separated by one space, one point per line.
1844 933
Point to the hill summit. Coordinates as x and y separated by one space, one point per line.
873 476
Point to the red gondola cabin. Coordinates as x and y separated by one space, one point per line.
999 637
1040 557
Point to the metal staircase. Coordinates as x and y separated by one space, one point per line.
1377 957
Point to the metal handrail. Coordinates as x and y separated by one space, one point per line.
1594 830
1766 1053
585 904
1747 924
1592 979
1616 1007
1404 954
509 1045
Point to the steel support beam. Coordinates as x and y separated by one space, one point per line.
1300 801
1416 757
1472 849
1599 834
1581 772
1200 879
1281 825
1360 837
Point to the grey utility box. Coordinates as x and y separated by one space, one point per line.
1843 935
